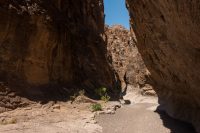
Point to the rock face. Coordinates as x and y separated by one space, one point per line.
125 58
121 49
47 43
168 40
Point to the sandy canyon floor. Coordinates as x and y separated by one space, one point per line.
63 117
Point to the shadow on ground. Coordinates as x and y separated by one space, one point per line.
176 126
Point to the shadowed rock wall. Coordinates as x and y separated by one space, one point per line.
54 42
168 39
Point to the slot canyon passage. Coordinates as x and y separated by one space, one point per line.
58 59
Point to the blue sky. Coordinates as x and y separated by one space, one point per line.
116 13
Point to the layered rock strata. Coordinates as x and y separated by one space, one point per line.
168 40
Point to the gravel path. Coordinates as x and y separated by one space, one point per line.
141 118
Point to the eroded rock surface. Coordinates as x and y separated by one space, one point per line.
48 43
126 60
168 40
9 100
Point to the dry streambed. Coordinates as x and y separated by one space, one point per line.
60 117
141 116
65 117
49 118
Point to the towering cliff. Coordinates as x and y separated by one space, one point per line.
53 43
168 39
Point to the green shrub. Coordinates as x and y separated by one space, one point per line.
102 92
105 98
96 107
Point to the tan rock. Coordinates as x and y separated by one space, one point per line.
168 40
125 58
45 45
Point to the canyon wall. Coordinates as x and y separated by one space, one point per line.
46 42
127 61
168 40
121 50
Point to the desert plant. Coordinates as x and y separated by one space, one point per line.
96 107
105 98
102 92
